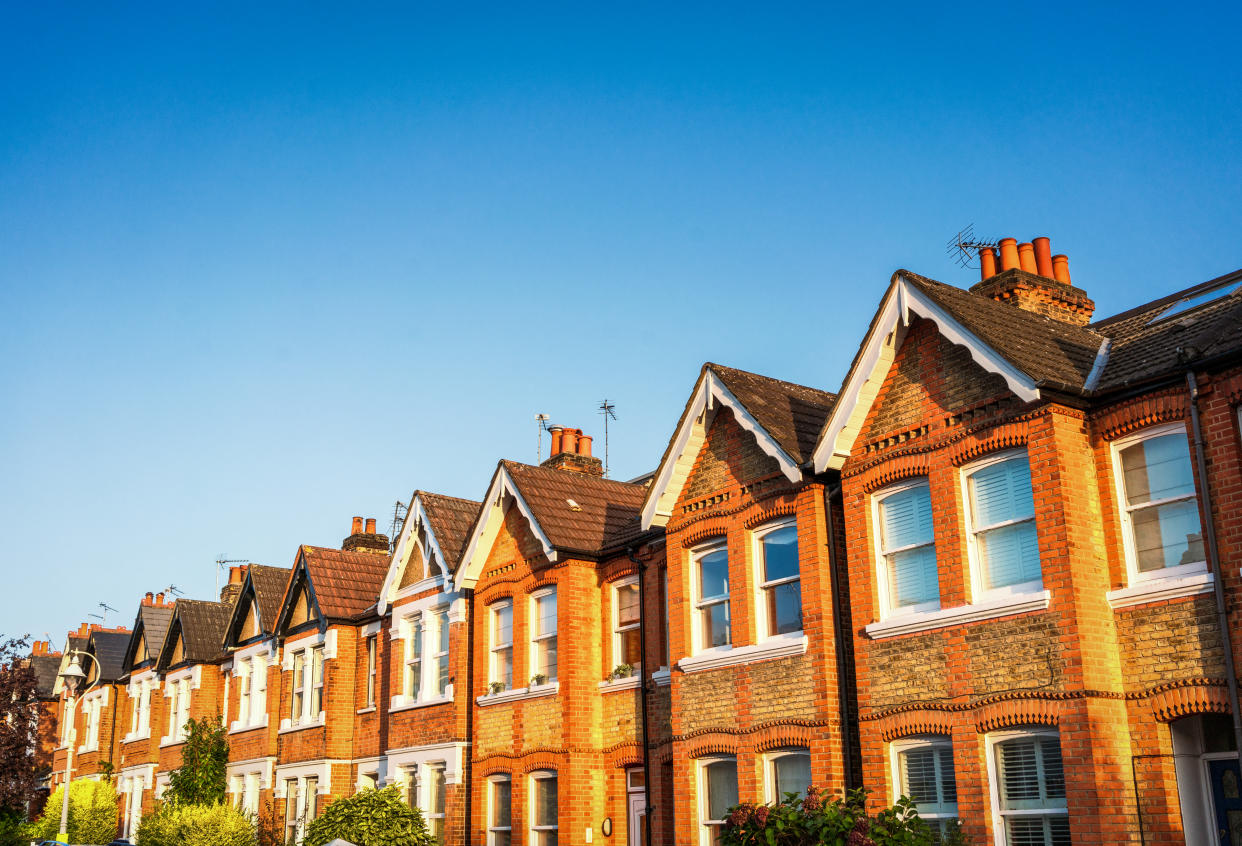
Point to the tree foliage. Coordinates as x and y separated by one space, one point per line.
92 813
370 818
196 825
19 719
203 775
811 821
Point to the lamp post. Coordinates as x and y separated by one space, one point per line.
72 677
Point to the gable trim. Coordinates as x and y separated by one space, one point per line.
405 547
299 579
491 515
876 357
709 392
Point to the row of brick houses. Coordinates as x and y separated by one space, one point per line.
990 573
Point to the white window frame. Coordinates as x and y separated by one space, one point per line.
492 781
372 669
178 708
435 818
887 609
412 687
998 817
537 637
440 654
769 769
537 830
706 824
700 605
763 626
308 689
1124 510
618 632
494 646
978 592
913 744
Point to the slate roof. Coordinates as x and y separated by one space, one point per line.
792 414
607 510
152 623
109 649
46 669
346 584
269 590
451 520
202 627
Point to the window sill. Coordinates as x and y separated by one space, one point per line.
288 726
165 742
419 703
662 676
1154 590
236 727
1018 603
370 709
519 693
780 646
83 750
133 737
614 685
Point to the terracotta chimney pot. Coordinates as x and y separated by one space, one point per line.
237 575
150 600
159 599
556 440
569 440
357 526
1008 253
584 445
1060 269
1026 256
987 263
1043 257
370 526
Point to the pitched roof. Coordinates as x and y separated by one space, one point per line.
202 627
451 519
46 669
792 414
151 625
109 649
269 590
346 584
605 509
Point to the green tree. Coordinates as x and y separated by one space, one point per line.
370 818
92 813
18 726
202 778
196 825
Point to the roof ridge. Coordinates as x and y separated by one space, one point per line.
713 364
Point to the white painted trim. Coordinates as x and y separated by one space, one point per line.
961 615
990 741
502 492
322 769
263 766
978 594
780 646
662 676
887 610
400 703
532 692
1154 590
269 646
657 507
417 516
1097 369
758 600
879 350
452 755
235 727
614 685
911 743
287 726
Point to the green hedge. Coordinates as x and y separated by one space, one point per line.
370 818
196 825
815 821
92 813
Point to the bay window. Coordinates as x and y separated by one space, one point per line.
908 580
924 772
626 633
718 793
1159 505
414 658
442 652
1028 788
501 614
307 701
1001 535
789 771
499 811
710 569
178 708
543 633
779 579
543 806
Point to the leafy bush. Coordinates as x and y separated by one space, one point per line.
201 778
810 820
92 813
13 831
370 818
196 825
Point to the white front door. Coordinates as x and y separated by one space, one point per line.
638 812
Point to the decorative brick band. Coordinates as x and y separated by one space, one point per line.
761 737
909 723
755 500
1005 436
1017 712
896 469
628 754
1011 708
1124 418
1188 697
780 509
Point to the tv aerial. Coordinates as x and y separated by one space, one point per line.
541 423
608 410
964 247
105 607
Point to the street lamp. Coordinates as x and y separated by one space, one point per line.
72 676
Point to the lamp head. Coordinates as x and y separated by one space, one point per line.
72 675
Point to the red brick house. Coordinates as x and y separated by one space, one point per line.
46 666
100 702
556 750
418 659
1034 579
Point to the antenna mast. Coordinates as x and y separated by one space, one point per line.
964 247
221 561
541 423
399 512
608 410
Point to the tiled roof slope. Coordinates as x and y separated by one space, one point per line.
46 669
607 510
1140 352
346 584
1054 354
109 649
792 414
269 590
155 620
202 628
451 520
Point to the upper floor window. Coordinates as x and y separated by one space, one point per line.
543 633
665 658
626 623
789 771
499 811
371 643
252 685
543 810
924 772
307 700
140 716
778 578
441 656
501 614
1028 788
907 548
1001 534
718 792
178 708
414 658
1159 506
711 606
93 709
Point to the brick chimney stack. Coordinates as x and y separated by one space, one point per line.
237 575
1029 277
571 451
365 538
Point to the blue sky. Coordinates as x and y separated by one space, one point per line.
267 266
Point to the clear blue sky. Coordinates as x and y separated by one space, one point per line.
266 266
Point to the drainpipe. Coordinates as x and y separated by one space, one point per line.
643 675
468 755
1209 533
839 633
